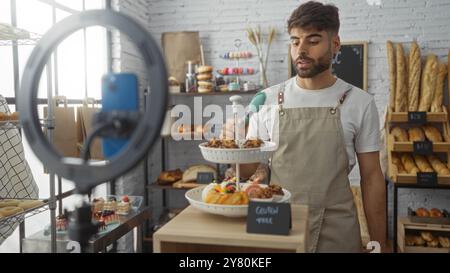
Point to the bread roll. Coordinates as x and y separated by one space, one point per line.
392 74
416 134
428 87
408 163
438 166
419 241
438 98
204 77
401 94
444 241
423 164
432 133
399 134
414 69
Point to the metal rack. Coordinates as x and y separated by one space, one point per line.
10 35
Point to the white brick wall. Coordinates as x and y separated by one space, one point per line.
220 22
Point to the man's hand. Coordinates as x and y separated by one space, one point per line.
261 173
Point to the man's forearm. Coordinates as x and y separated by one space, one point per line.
374 199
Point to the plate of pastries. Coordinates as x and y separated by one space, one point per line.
228 151
227 198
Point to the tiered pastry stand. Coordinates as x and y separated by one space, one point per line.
232 156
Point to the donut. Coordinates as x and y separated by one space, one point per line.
8 211
28 204
204 77
205 84
204 89
9 203
205 69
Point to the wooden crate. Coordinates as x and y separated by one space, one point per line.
405 226
431 117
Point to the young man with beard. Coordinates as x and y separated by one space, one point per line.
322 125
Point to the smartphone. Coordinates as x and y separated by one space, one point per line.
119 93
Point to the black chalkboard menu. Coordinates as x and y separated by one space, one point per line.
350 64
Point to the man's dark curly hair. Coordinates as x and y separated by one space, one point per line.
316 15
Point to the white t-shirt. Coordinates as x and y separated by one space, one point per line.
359 115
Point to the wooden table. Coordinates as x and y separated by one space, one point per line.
194 231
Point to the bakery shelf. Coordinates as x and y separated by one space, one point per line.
25 214
438 147
164 187
404 225
227 93
431 117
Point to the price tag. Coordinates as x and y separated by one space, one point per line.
423 148
205 178
427 179
269 218
419 118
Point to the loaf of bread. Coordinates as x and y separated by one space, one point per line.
428 87
438 99
438 166
416 134
191 173
423 164
408 163
392 74
399 134
414 70
432 133
401 90
398 166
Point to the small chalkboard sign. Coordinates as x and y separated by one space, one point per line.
269 218
427 179
423 148
418 118
349 64
205 178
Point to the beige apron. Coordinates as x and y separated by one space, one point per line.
312 163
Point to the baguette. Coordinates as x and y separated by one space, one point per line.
392 74
400 134
432 133
438 98
438 166
401 94
416 134
408 163
429 76
423 164
398 166
414 70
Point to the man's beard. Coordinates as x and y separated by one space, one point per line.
322 64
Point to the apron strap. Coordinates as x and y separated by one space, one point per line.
281 99
341 100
